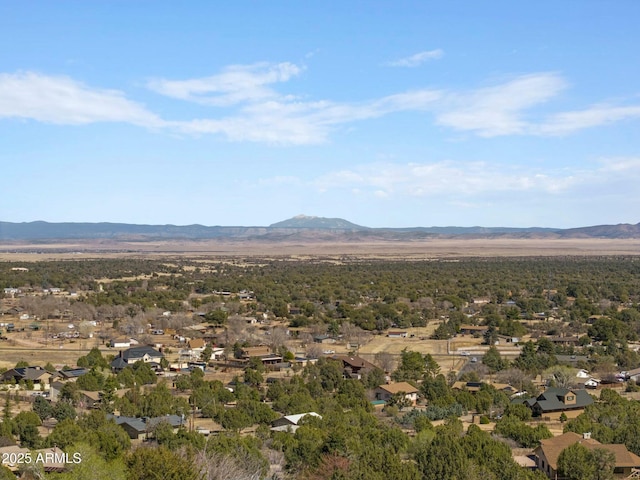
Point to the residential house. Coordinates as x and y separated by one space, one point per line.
549 450
388 391
323 339
38 375
472 387
592 383
508 339
245 295
564 341
54 390
263 352
137 354
481 300
197 345
473 329
217 353
259 351
634 375
397 334
194 349
73 373
290 423
505 387
141 428
121 342
89 399
354 365
553 402
11 455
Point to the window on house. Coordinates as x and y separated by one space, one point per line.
569 398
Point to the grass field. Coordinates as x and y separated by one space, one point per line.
401 250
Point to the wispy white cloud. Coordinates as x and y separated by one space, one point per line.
417 59
235 84
629 166
464 180
264 115
569 122
62 100
246 106
506 109
499 110
290 121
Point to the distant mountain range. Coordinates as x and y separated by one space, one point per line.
300 228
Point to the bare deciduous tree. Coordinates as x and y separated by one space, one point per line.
385 361
278 338
134 325
313 350
236 330
515 377
216 466
563 377
83 311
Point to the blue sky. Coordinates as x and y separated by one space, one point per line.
385 113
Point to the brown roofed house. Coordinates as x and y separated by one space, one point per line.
196 343
386 392
549 450
473 329
259 351
355 364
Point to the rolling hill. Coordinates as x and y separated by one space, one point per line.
302 227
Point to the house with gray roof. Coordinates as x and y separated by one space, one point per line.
38 375
132 355
553 402
140 428
73 373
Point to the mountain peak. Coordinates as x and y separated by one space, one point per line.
320 223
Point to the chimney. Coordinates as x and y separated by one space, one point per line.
586 435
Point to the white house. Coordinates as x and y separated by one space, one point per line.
217 353
397 334
592 383
289 423
120 342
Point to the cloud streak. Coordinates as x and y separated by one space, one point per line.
417 59
235 84
245 105
465 180
500 110
569 122
64 101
